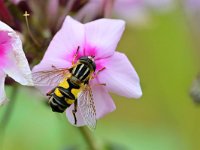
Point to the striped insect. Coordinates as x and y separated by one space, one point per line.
71 86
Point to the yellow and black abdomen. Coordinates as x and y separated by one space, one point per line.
64 95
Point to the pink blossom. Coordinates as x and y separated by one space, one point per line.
12 59
134 11
98 38
192 6
138 12
16 1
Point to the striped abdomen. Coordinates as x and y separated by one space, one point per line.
81 72
64 95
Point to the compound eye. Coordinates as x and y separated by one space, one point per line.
94 66
83 58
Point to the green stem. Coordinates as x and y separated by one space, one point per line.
88 138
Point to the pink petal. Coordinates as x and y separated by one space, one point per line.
5 27
52 11
120 76
2 90
85 14
134 12
16 1
160 5
103 101
103 105
5 47
102 37
18 67
70 117
66 41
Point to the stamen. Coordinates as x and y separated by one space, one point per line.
77 49
102 69
96 74
26 15
75 56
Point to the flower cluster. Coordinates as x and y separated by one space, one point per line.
135 11
98 39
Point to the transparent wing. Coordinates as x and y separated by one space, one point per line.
49 77
87 107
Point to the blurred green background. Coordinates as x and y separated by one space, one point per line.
165 118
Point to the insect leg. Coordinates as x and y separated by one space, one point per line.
50 92
74 112
76 54
100 84
54 67
98 72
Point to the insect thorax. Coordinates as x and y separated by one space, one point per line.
81 72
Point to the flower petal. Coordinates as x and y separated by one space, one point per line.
102 100
120 76
5 27
102 37
133 11
103 105
5 47
85 15
2 90
16 1
70 117
18 67
162 6
66 41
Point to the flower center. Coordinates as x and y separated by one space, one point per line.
87 54
5 47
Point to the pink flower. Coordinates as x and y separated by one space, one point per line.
135 11
16 1
192 6
12 59
98 38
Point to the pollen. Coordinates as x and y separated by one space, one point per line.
26 14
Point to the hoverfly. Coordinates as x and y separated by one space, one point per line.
71 86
